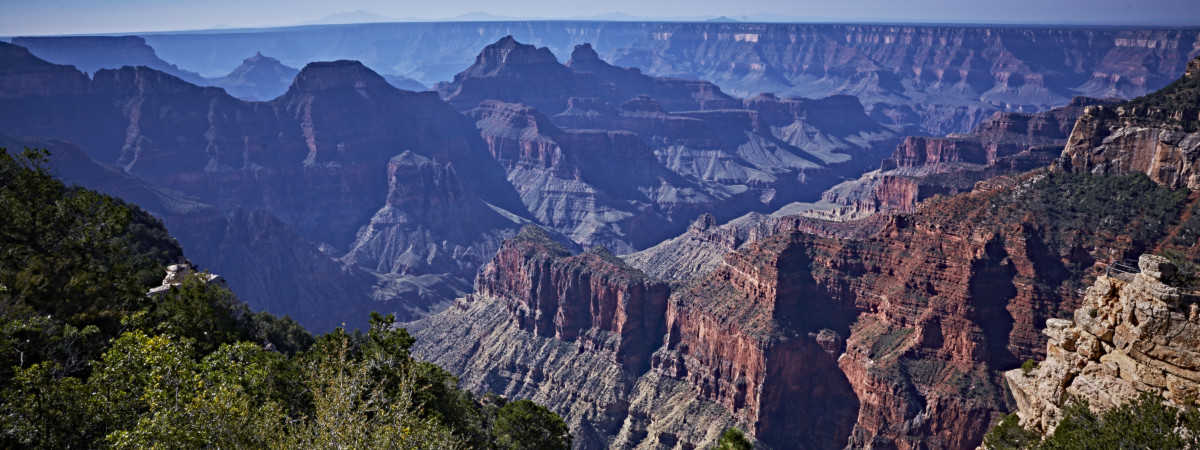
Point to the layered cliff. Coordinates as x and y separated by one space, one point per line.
933 79
922 167
895 337
1157 134
673 94
1133 333
597 187
513 72
594 297
650 172
430 223
574 332
937 79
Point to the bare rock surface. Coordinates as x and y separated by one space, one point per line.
1132 334
1158 134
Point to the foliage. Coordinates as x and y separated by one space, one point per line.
1028 366
525 425
889 342
1145 422
733 439
1008 434
87 359
1176 105
1187 273
352 410
69 266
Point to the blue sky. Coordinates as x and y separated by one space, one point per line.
32 17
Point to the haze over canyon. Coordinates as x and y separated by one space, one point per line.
828 235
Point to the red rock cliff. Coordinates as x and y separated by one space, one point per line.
592 297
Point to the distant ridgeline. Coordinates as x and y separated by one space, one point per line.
931 79
88 359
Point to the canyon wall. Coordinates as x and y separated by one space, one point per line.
310 168
1157 134
896 337
926 79
907 74
921 167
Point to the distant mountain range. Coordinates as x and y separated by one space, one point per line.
488 211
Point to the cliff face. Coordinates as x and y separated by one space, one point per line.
740 339
649 172
1157 134
672 94
892 334
430 223
928 310
593 298
513 72
957 75
597 187
922 167
26 75
1132 334
575 332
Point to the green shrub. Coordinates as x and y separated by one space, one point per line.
1028 366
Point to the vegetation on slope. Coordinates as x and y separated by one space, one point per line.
1142 423
87 359
1175 106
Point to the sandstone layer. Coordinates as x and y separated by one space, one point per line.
1133 334
892 334
1158 134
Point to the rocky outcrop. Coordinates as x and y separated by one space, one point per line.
605 404
672 94
575 332
1133 334
892 337
430 223
778 150
739 338
510 71
178 273
597 187
594 297
770 151
701 250
258 78
1158 134
25 75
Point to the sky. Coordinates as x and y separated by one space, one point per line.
52 17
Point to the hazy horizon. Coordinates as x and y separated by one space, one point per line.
41 17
